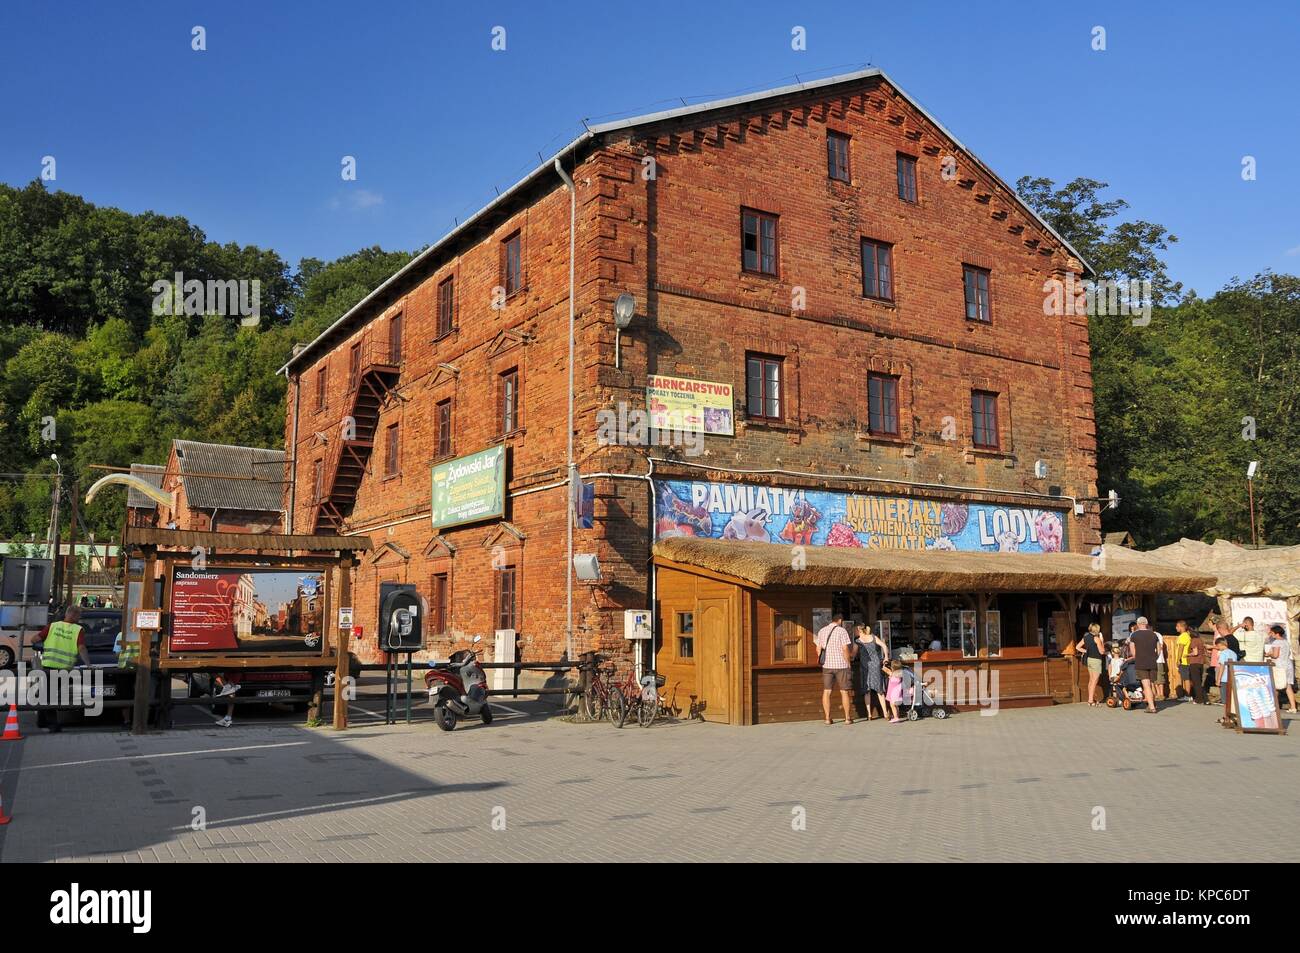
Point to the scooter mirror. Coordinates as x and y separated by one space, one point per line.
477 639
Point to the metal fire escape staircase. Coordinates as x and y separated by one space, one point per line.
373 374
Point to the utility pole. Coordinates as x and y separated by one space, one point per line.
72 545
57 581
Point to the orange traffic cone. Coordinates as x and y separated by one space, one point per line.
11 726
4 818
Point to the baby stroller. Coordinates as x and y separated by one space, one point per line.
923 701
1125 689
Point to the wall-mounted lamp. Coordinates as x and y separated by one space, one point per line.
624 309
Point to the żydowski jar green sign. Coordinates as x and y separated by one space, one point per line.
469 489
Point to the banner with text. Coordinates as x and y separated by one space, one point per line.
687 406
470 488
827 518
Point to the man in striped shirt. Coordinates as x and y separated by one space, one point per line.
835 650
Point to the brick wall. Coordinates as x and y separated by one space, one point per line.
673 241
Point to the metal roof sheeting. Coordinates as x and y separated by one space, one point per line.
257 476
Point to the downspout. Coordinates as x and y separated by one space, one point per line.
293 459
572 467
648 477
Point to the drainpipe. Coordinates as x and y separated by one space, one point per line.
572 467
293 459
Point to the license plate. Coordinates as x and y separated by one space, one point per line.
273 693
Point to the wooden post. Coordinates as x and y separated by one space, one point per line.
341 668
144 662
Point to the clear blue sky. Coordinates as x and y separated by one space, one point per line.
246 138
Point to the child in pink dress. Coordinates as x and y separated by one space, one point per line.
894 690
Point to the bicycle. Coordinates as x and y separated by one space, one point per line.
641 698
600 699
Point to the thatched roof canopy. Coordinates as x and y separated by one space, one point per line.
905 570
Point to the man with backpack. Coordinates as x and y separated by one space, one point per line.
835 656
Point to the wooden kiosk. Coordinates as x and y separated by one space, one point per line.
164 551
735 620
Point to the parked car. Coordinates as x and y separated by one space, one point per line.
8 651
287 686
101 628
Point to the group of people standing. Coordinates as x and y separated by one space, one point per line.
882 683
1200 666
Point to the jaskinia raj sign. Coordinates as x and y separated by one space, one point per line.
470 488
740 511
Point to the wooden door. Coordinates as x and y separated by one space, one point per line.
713 635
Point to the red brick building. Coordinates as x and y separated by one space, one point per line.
870 291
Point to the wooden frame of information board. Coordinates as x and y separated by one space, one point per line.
162 550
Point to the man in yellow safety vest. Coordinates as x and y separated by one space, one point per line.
62 644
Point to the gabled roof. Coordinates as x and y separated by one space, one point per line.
600 130
253 477
151 474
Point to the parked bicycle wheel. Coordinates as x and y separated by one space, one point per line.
616 709
592 705
647 711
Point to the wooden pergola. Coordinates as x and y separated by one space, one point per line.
163 550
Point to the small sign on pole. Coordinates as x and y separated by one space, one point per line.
148 619
345 617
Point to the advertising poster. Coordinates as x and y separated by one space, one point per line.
246 610
470 488
1254 697
993 632
687 406
737 511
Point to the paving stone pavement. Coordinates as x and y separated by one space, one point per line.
1025 785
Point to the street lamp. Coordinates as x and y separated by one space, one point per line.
624 309
1250 490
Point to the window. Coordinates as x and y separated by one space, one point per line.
318 479
837 156
686 635
511 265
906 178
882 404
321 376
391 452
438 603
446 300
442 420
509 405
976 283
506 614
877 270
763 386
395 338
984 418
758 242
787 638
